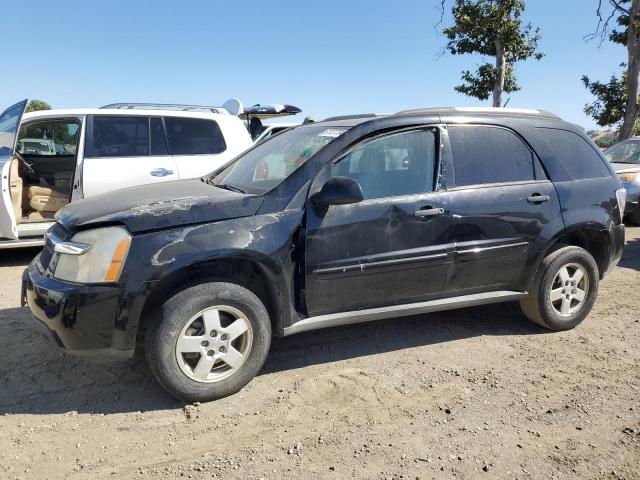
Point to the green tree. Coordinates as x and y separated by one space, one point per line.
37 105
608 107
492 28
617 101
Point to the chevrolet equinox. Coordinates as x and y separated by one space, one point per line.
347 220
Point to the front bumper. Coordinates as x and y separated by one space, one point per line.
79 318
633 195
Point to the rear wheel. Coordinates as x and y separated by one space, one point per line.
564 290
209 342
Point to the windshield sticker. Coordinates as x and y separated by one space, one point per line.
332 132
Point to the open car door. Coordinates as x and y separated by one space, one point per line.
9 125
254 115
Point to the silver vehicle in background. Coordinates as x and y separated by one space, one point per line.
625 159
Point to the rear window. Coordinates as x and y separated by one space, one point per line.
485 154
194 136
575 154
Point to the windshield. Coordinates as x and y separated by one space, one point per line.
624 152
269 163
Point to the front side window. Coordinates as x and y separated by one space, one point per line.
194 136
48 139
485 155
624 152
393 165
120 136
574 153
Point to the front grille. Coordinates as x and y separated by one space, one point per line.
60 233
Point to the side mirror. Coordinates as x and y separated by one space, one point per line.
338 191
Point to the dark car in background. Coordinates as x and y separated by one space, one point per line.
343 221
625 159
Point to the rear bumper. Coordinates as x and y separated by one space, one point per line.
79 318
616 242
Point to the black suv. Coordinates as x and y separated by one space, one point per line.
347 220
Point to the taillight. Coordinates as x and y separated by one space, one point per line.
621 196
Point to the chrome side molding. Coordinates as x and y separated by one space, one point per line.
370 314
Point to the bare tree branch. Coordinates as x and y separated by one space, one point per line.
603 28
441 7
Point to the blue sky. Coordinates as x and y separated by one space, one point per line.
329 57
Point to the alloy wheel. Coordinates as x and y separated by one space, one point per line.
214 344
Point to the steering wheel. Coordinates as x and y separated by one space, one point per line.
24 163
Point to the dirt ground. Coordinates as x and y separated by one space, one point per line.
473 393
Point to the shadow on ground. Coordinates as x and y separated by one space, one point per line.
631 257
18 256
36 378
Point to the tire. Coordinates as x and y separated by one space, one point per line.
538 305
180 352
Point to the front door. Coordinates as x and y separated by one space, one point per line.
391 248
125 151
501 204
9 124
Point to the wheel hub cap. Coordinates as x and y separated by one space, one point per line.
214 344
569 289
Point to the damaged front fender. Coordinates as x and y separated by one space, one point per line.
267 241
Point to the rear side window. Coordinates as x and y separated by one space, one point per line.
120 136
484 154
194 136
574 153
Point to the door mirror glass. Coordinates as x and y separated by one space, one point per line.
338 191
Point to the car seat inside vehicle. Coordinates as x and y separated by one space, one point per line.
43 169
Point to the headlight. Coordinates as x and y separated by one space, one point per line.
627 177
93 256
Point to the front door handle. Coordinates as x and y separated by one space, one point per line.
537 198
161 172
428 212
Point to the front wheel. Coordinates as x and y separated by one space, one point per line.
209 342
564 289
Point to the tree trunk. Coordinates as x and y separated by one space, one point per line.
633 53
501 67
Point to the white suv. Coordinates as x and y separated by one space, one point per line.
53 157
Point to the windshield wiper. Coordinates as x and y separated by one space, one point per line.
226 186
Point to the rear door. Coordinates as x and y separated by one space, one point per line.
125 151
502 206
9 125
198 145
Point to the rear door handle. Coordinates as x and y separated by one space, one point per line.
161 172
428 212
537 198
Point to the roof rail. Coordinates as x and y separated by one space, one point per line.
486 110
354 117
165 106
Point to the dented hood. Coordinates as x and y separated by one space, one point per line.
160 205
